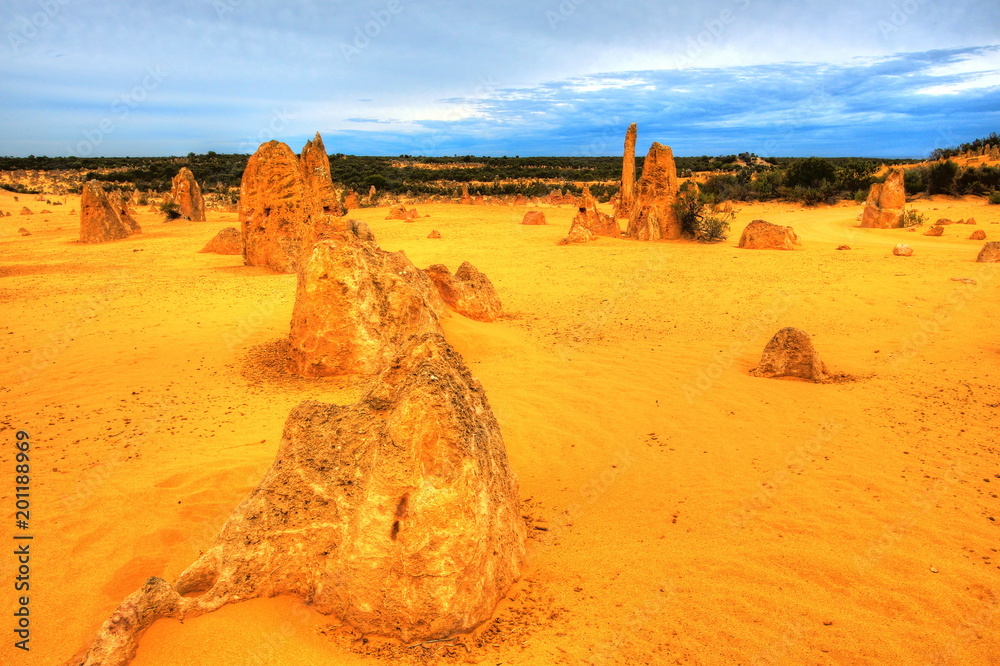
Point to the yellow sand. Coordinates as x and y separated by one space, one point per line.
694 514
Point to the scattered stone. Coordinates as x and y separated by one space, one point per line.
790 353
626 194
355 306
902 250
844 247
469 292
277 209
943 221
762 235
26 211
653 216
398 212
46 212
971 220
935 231
103 216
884 207
990 253
534 217
978 234
398 515
227 241
434 234
186 193
964 280
23 232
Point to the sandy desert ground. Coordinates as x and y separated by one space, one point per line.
681 511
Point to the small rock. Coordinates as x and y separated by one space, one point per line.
902 250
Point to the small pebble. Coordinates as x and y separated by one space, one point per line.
933 570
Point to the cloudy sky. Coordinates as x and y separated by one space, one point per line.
889 78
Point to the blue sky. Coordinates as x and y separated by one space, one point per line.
892 78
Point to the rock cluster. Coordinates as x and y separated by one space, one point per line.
103 216
468 292
884 207
399 212
762 235
653 216
790 353
186 193
397 515
227 241
277 209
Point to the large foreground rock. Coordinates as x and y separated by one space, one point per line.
398 515
356 305
277 209
653 216
104 217
227 241
990 252
762 235
186 193
469 292
790 353
884 207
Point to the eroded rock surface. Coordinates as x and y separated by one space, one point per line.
227 241
790 353
884 207
469 292
186 193
103 216
762 235
653 216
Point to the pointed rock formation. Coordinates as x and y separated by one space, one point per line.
356 305
534 217
351 201
653 216
761 235
227 241
577 234
468 292
790 353
626 194
277 209
466 199
398 515
186 193
884 207
434 234
26 211
990 253
593 219
316 170
103 216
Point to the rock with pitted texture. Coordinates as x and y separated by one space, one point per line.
626 194
884 207
577 234
186 193
398 516
534 217
227 241
315 164
653 216
762 235
277 209
978 234
355 306
469 292
990 253
351 201
590 217
902 250
103 216
790 353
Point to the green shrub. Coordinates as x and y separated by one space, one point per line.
941 178
913 218
170 210
995 198
714 228
861 196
